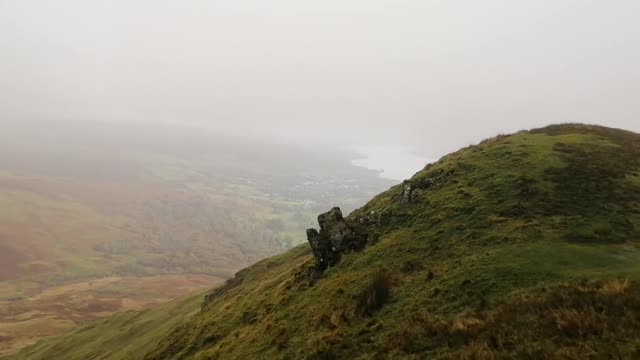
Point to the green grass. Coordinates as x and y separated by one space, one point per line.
527 248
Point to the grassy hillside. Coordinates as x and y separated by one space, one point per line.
522 246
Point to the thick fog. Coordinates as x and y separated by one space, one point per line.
425 75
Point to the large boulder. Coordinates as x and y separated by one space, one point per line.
337 235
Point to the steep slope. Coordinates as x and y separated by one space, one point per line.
522 246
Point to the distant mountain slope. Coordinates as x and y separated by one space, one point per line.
524 246
95 221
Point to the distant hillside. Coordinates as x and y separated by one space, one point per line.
99 220
523 246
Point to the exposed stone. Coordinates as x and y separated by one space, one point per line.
407 191
337 235
409 187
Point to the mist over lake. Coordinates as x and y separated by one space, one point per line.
395 162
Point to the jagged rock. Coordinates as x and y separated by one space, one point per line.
321 248
373 218
409 187
407 191
337 235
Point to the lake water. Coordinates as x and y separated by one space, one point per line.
396 162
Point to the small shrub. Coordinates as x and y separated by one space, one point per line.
375 295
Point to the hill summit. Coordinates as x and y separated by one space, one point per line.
523 246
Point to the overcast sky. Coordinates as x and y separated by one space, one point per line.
425 74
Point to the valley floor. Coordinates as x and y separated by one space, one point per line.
55 310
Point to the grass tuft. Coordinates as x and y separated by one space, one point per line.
616 287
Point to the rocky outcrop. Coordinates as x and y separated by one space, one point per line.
410 187
337 235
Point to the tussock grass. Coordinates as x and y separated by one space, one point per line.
375 295
616 287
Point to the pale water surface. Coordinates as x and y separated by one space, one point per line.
395 162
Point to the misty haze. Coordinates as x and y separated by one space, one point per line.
319 180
